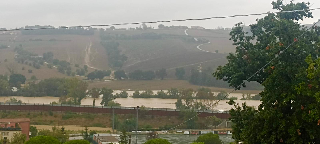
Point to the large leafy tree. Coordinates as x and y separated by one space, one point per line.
209 138
289 111
107 96
94 93
161 73
76 90
17 79
157 141
43 140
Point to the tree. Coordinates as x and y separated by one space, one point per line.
161 73
209 138
56 133
16 80
76 91
289 112
161 26
107 96
85 134
14 101
18 138
124 137
95 93
33 78
4 87
43 140
112 28
120 74
33 131
180 72
85 67
123 94
77 142
213 120
157 141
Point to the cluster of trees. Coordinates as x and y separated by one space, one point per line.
54 136
57 31
98 74
107 96
28 58
290 111
115 58
173 93
6 83
180 73
31 59
209 138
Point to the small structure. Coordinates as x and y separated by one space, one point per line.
106 138
8 127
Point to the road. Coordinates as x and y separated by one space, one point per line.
196 39
88 55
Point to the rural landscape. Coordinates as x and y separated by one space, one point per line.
156 83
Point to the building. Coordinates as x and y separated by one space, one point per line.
106 138
10 126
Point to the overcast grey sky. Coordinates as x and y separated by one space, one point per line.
18 13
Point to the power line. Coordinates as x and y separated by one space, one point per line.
162 21
268 63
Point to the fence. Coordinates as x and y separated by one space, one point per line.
104 109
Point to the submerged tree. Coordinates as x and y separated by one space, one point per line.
290 110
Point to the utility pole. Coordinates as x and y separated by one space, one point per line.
137 124
113 120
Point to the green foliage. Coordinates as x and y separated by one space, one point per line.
77 142
213 121
94 93
289 112
34 131
161 73
18 138
209 138
180 72
124 139
123 94
33 78
43 140
197 143
4 86
16 80
113 104
98 74
76 91
222 96
142 75
120 74
115 58
14 101
57 134
107 96
157 141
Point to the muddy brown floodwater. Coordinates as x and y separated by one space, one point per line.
133 102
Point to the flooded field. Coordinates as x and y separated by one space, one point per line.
133 102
